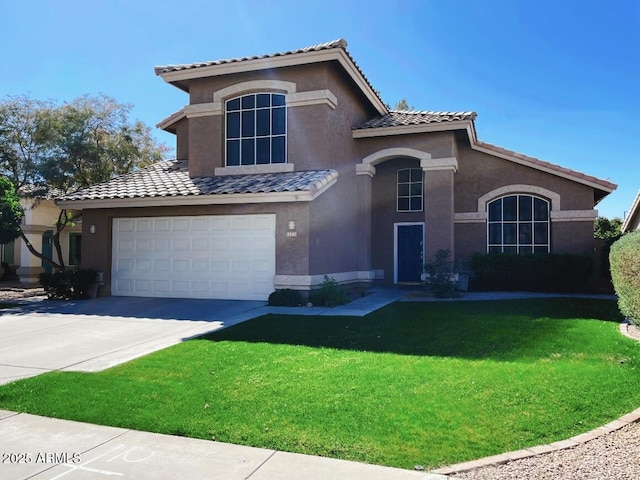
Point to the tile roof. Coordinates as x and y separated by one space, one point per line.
338 43
399 118
171 179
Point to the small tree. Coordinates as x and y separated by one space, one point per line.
625 274
11 211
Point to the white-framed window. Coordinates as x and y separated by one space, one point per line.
518 224
256 129
409 198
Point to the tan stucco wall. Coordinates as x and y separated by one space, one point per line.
291 253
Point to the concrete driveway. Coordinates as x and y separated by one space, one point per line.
92 335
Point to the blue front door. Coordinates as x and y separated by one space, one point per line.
410 249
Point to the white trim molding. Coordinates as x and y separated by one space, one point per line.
292 97
516 189
432 164
191 200
412 129
574 216
368 163
254 169
308 282
253 86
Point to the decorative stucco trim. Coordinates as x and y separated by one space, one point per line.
253 169
439 164
306 282
203 109
293 98
313 97
254 86
365 169
39 229
574 216
519 188
411 129
470 217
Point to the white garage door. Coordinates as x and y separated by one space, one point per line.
215 256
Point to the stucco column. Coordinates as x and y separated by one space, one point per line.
30 265
438 205
363 221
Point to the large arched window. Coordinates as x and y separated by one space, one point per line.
256 129
518 224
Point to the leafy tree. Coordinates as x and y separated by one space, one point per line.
26 134
10 211
48 150
605 228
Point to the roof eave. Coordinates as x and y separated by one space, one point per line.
634 212
178 77
413 129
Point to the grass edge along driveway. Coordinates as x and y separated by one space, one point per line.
413 383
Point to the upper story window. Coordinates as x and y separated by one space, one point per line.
410 190
256 129
518 224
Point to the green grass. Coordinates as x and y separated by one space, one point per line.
414 383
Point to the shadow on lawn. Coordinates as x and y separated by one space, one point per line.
501 330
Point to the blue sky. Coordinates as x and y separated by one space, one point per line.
556 80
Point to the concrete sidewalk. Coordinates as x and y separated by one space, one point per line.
49 449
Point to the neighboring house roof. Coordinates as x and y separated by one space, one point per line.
170 180
632 220
180 74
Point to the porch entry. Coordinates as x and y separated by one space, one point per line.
409 252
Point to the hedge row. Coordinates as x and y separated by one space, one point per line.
624 259
532 273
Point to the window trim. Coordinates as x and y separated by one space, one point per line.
254 137
517 222
409 196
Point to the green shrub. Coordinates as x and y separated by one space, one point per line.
624 259
440 280
285 298
329 294
533 273
68 284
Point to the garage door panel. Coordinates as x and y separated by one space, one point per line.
223 256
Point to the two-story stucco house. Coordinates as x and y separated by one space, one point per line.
289 167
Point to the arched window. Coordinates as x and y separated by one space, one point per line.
256 129
409 190
518 224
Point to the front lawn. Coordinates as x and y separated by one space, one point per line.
413 383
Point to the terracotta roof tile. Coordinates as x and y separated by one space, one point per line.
399 118
171 178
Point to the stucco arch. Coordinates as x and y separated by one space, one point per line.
519 188
367 166
254 86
